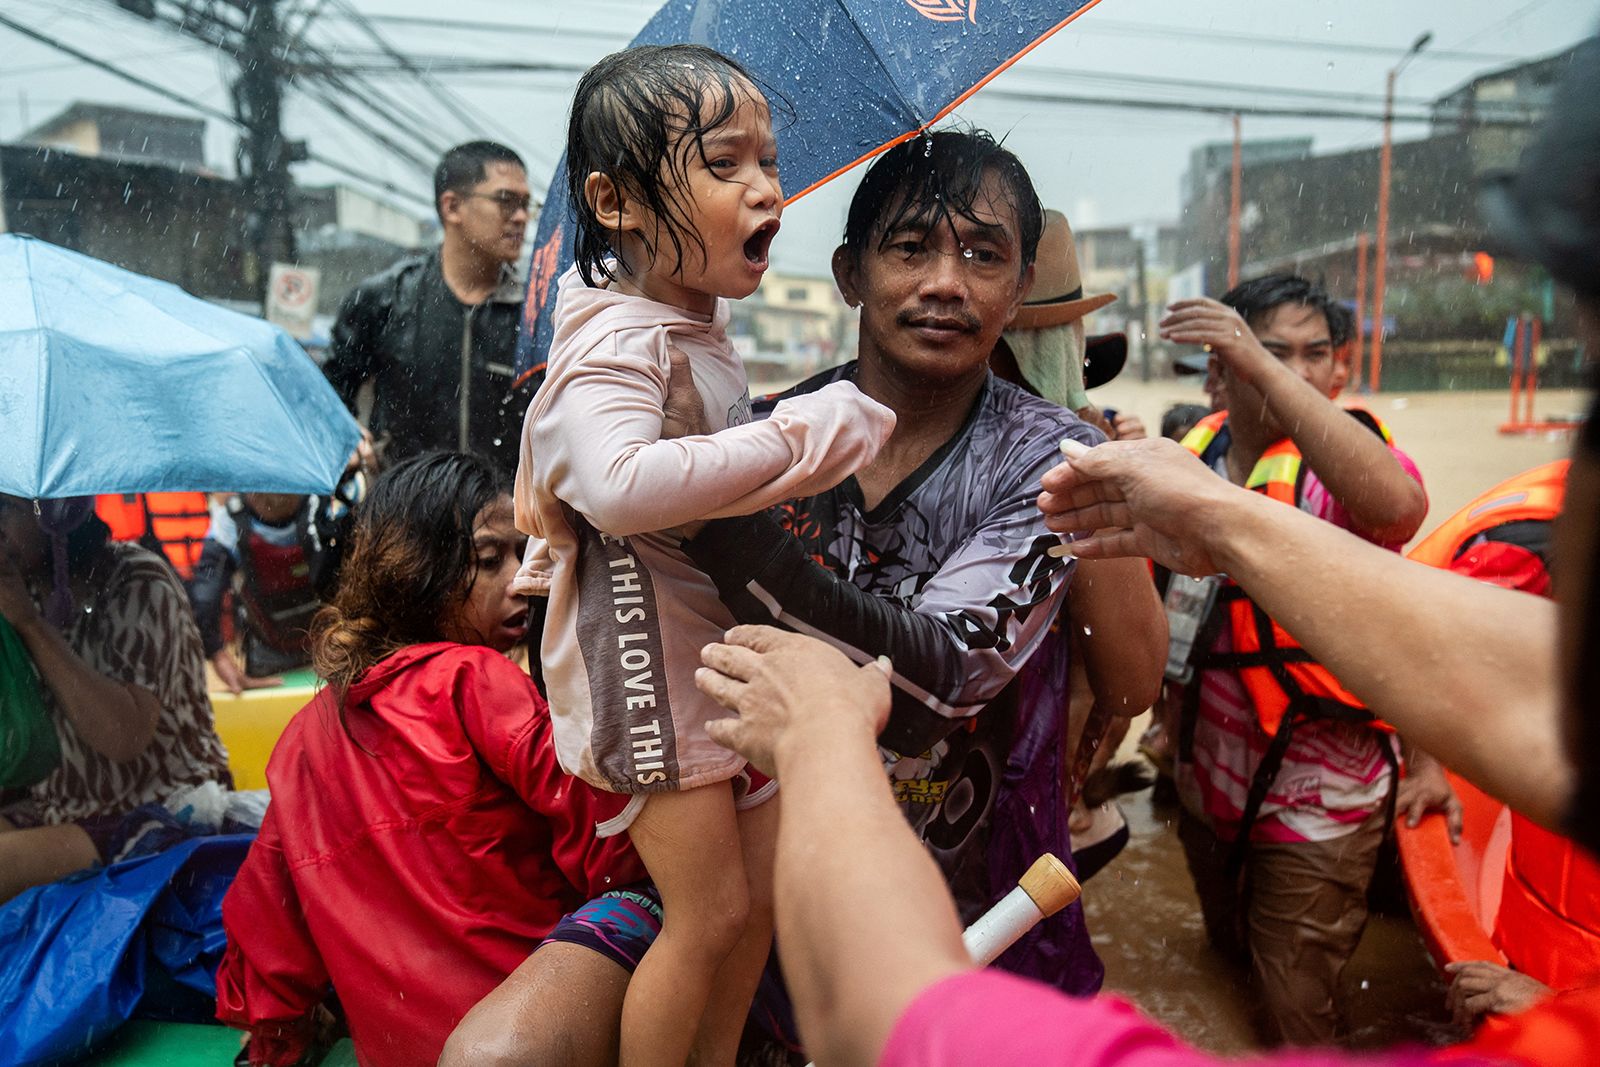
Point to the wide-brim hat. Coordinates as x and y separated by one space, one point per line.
1056 296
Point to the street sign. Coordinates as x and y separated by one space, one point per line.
292 298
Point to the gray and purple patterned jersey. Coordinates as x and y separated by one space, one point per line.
949 576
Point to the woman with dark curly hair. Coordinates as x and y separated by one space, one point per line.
123 679
422 840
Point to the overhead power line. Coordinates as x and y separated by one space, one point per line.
200 108
1224 108
455 65
1090 26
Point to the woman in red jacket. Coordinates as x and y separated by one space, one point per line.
422 840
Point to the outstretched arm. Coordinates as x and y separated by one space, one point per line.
603 447
1385 503
1426 650
850 872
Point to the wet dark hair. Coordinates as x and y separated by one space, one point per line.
636 116
927 179
411 560
1179 419
1254 298
465 165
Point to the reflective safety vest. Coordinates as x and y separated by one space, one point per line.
1533 496
1275 671
1549 920
174 524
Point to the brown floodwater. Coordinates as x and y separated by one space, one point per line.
1145 923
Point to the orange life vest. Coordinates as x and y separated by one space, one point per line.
1534 495
1549 920
1275 670
174 523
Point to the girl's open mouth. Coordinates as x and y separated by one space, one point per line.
756 247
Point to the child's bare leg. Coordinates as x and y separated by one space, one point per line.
723 1022
689 842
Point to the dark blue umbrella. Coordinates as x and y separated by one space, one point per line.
859 76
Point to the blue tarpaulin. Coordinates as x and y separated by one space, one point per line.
78 956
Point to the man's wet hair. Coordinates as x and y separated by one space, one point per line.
636 118
930 179
465 165
1254 299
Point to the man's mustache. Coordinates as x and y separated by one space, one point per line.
958 320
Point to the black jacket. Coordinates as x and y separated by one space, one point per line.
405 331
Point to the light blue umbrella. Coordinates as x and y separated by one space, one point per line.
111 382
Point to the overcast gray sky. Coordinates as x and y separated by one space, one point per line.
1103 166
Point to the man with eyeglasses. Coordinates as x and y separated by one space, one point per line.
435 333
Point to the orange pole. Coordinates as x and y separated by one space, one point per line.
1516 370
1535 334
1234 203
1380 267
1361 307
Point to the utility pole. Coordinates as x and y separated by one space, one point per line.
257 46
1144 310
263 154
1380 263
1235 198
1358 378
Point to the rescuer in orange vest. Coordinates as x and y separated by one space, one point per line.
173 524
1286 780
1549 920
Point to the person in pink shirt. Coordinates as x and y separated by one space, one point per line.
673 172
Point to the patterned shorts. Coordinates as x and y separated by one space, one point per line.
620 925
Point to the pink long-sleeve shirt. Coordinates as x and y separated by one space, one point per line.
628 612
998 1019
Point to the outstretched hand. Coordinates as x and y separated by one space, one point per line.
785 686
1135 498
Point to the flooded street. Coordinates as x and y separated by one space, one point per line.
1145 923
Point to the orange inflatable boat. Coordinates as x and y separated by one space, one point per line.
1455 889
1510 892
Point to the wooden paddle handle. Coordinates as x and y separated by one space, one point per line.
1045 889
1050 885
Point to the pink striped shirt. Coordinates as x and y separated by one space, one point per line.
1333 776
